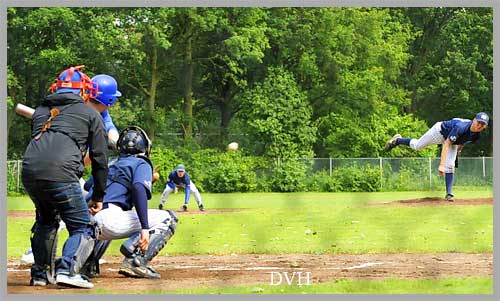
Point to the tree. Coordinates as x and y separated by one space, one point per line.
146 38
218 47
451 72
348 61
278 117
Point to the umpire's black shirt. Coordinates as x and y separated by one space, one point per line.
58 155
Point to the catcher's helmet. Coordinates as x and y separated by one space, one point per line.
108 89
134 141
75 81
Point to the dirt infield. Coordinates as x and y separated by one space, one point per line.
435 201
186 272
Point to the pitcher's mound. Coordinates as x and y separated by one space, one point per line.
436 201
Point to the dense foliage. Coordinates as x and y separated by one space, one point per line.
283 82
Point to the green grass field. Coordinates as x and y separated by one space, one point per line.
318 223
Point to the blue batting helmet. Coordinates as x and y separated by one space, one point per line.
108 89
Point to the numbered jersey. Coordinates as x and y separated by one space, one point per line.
458 131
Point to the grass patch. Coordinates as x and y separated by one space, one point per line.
301 200
348 286
316 223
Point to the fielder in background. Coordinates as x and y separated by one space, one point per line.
180 178
129 186
453 135
63 129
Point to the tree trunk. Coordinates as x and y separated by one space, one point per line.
155 78
226 115
188 90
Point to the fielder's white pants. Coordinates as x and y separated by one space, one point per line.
433 137
114 223
194 190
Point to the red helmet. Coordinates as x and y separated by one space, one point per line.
75 81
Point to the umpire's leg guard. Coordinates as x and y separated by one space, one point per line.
91 267
44 246
76 251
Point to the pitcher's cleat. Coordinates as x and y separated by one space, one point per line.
201 207
392 143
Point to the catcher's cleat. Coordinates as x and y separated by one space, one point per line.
184 208
129 268
77 280
160 206
449 197
201 207
392 143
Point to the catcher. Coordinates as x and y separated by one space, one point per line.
129 186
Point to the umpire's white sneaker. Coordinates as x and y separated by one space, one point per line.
73 281
28 258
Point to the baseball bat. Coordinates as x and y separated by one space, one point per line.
24 111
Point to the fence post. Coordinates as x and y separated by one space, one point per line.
381 173
484 168
18 174
331 167
430 173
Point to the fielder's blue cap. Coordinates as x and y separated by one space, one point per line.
483 117
181 167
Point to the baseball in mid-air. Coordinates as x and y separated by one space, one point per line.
233 146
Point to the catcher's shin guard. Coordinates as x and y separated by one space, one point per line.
91 267
157 240
136 262
44 246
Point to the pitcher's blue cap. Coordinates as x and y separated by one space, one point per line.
483 117
181 167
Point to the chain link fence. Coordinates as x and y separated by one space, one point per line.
413 173
395 173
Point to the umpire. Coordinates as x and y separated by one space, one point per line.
63 129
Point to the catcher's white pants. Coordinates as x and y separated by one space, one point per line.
114 223
433 137
168 190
